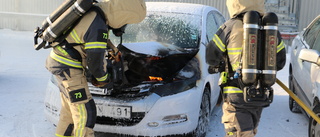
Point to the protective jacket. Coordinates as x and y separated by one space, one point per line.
226 46
85 47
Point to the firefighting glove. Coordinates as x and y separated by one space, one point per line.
117 56
213 70
217 69
102 84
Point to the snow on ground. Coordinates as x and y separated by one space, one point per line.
23 80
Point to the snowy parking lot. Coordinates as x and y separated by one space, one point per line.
23 80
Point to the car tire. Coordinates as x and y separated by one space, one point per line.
204 115
314 127
293 105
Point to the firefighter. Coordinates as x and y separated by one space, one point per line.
224 53
84 49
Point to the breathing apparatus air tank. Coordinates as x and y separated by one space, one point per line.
249 70
66 19
57 13
60 20
270 42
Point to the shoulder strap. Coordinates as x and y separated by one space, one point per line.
240 16
228 64
61 39
99 11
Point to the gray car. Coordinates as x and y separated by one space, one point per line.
304 72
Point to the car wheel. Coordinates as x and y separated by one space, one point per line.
204 118
314 126
293 105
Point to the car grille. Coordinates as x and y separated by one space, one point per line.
136 117
122 93
125 94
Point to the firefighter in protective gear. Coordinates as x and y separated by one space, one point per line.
240 118
84 49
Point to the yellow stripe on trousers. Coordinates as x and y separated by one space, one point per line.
82 120
62 135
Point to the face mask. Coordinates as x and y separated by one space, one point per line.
118 32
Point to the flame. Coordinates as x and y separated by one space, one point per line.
155 58
155 78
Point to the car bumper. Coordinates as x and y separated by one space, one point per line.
160 116
52 103
169 115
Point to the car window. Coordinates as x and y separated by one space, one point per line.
182 30
316 45
312 33
219 18
212 26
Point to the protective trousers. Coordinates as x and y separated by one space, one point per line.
78 110
240 122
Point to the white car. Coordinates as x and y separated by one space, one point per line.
304 72
165 87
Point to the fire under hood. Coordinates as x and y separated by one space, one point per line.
145 59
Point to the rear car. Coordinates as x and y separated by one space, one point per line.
304 72
164 86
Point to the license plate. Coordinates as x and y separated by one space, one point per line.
114 111
95 90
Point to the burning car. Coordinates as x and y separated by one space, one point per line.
162 86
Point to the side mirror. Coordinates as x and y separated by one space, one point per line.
310 55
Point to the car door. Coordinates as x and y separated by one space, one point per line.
211 23
307 76
315 69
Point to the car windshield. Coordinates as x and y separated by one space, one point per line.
178 29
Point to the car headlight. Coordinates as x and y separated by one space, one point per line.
185 79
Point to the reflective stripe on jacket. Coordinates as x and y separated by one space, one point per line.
65 60
231 89
90 37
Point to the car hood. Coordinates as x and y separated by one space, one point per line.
153 59
153 48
